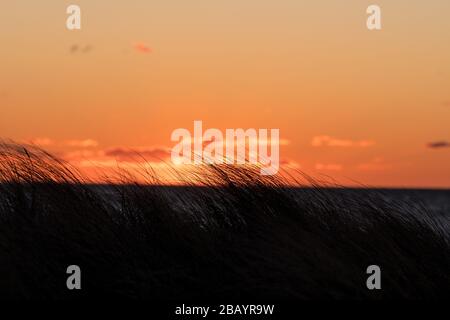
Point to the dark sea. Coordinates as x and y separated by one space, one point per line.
429 203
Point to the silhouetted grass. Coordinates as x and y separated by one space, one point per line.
238 236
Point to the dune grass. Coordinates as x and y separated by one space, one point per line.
238 236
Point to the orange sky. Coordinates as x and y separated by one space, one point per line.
360 106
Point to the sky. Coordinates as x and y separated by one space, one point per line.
352 105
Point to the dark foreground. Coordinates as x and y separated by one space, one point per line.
239 236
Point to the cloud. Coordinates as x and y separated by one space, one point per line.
376 164
142 48
289 164
79 155
79 48
138 154
111 157
86 143
328 166
74 48
327 141
257 141
41 141
87 48
438 145
78 143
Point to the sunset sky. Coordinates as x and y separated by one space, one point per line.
360 106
